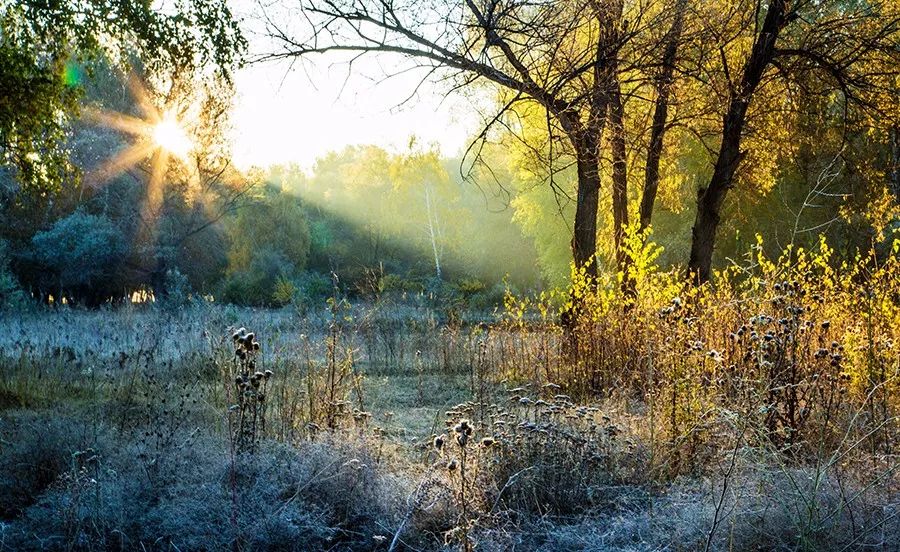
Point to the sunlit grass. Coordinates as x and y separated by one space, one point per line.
779 386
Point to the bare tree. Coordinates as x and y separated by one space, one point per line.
563 55
660 123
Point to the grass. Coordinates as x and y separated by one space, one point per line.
676 422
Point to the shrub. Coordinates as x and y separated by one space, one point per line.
176 290
256 285
79 252
285 291
398 284
312 497
310 290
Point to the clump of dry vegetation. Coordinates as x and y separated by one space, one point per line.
759 413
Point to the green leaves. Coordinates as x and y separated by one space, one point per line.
43 43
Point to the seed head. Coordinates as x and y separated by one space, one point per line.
463 428
452 465
438 443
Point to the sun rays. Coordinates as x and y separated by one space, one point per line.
159 138
159 134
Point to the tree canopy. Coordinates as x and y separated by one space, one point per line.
44 47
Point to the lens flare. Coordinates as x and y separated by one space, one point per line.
169 135
160 136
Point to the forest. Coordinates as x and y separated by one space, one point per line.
651 302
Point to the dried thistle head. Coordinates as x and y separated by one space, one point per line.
464 427
463 431
438 442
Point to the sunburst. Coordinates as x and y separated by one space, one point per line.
159 135
169 135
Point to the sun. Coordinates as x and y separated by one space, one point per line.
169 134
159 134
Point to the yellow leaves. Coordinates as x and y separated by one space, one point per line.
879 213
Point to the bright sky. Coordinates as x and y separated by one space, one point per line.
285 115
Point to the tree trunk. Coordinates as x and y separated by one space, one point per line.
584 236
710 199
433 233
619 174
661 116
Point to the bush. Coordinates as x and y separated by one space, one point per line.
257 284
79 252
394 283
176 290
312 497
488 298
285 291
310 290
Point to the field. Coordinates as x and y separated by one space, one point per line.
443 276
765 420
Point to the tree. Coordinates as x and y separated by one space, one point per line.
79 254
421 174
40 46
269 239
663 84
559 55
853 46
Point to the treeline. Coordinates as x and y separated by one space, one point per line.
367 219
722 120
622 108
374 221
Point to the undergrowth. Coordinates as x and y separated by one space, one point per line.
759 412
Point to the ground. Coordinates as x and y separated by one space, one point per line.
124 429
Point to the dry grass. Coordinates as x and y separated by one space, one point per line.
761 415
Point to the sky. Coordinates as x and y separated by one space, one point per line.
296 113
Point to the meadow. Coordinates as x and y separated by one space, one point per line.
759 414
425 275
